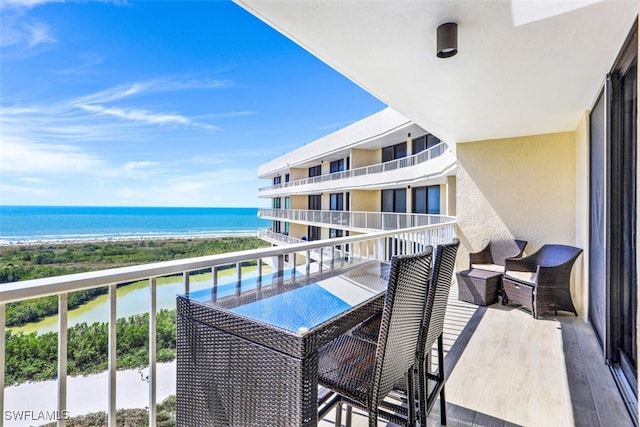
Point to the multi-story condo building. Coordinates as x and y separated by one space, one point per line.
381 173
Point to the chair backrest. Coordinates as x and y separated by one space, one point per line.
507 248
438 296
553 255
401 321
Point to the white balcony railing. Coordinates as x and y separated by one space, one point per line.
355 220
326 253
416 159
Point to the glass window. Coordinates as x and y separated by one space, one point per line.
426 200
387 201
277 203
287 203
286 178
336 166
420 200
333 233
393 152
276 180
337 202
313 233
387 154
315 202
394 200
432 140
315 171
401 200
433 200
419 144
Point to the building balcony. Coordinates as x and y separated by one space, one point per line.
436 162
354 220
504 367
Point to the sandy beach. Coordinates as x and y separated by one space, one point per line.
121 239
85 394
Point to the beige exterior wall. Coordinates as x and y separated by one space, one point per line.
521 188
298 173
365 200
580 294
297 230
298 202
449 202
362 158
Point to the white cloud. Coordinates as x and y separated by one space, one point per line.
21 190
26 3
32 180
89 59
152 86
27 35
38 33
143 116
22 156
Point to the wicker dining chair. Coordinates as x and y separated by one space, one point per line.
540 282
432 330
363 373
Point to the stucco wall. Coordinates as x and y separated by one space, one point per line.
365 200
521 188
580 293
361 158
298 202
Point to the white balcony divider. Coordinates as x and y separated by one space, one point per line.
3 309
112 368
416 159
328 253
354 220
63 299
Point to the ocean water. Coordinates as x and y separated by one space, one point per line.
60 223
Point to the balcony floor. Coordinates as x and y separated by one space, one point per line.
507 369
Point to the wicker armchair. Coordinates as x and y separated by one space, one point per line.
432 330
492 257
540 281
363 373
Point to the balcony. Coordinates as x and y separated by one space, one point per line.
355 221
435 162
505 368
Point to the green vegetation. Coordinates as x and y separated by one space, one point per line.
166 417
33 357
37 261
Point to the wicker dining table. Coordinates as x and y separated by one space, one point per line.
247 352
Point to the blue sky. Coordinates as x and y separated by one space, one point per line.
154 103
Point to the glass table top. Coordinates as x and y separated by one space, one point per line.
297 302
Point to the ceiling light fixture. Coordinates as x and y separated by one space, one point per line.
447 40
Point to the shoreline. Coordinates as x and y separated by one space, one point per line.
122 239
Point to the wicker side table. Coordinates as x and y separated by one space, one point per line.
478 286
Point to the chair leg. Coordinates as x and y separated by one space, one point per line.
339 414
411 399
442 379
348 416
423 393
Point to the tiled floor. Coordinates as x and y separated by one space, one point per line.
507 369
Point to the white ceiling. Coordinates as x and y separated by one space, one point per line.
522 68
